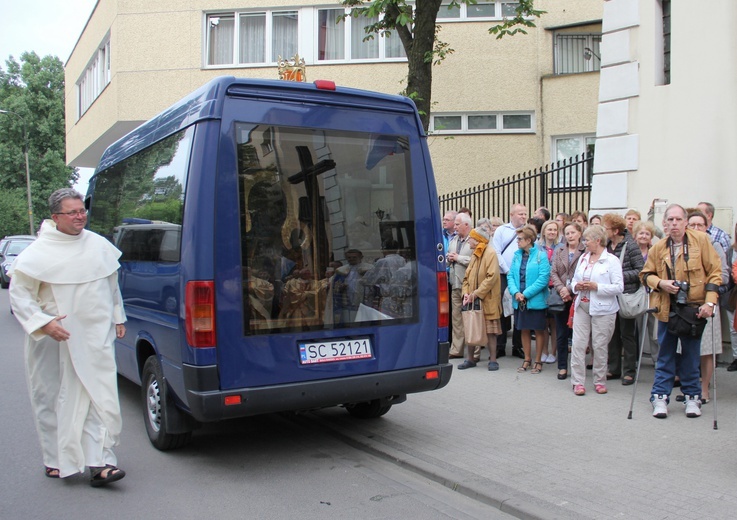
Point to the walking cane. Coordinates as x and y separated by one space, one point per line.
714 361
639 359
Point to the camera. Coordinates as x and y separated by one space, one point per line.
682 294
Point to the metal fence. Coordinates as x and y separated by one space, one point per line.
563 186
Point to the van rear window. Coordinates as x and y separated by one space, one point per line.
327 228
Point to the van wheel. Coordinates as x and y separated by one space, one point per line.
369 410
156 408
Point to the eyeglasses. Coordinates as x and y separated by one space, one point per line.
78 213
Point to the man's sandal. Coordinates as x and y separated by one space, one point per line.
525 365
105 475
52 472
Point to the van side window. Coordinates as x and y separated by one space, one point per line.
144 195
328 231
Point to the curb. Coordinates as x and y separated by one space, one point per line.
482 489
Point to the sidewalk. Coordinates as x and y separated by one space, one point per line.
526 444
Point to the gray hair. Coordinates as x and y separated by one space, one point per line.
709 208
596 233
465 218
59 196
671 207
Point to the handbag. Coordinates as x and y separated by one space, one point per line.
682 321
634 304
555 302
507 306
474 323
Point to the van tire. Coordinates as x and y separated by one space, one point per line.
157 407
368 410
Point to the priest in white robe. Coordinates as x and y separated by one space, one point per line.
64 292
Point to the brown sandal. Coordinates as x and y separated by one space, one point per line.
537 368
52 472
525 365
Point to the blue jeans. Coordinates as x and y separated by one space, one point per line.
687 368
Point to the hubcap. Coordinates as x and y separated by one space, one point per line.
153 404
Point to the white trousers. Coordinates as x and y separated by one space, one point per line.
70 430
600 330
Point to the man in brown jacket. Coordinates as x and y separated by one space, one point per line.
684 273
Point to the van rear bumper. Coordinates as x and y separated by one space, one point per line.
208 406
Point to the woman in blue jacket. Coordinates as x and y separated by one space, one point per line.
527 282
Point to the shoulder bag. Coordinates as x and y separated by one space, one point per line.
683 321
555 302
634 304
474 324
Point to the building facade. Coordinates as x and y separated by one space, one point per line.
667 108
500 107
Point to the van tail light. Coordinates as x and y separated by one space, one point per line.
199 313
443 300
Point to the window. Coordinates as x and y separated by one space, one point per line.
138 204
576 53
479 10
262 37
566 150
247 38
486 123
666 40
327 229
94 79
341 37
146 191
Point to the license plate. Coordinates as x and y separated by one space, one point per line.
335 350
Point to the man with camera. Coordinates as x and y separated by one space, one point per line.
684 273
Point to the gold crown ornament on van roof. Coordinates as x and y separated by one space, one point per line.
292 70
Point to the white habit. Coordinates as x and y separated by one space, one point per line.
73 383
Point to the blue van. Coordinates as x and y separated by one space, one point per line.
281 252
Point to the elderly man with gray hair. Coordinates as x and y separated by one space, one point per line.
459 256
64 292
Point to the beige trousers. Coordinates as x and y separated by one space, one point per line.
599 329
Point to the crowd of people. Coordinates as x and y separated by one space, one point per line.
581 287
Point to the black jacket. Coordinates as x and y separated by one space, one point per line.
632 263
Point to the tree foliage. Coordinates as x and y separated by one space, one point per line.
33 90
417 28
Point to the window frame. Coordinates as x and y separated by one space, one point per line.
465 130
348 41
588 142
307 38
268 34
94 79
592 41
463 15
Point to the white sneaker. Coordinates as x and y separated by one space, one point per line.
660 406
693 406
551 359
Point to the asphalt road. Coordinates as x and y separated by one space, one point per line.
269 467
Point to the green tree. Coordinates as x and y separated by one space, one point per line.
13 212
416 25
33 90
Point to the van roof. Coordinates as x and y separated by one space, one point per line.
206 103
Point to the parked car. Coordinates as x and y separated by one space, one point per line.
10 247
